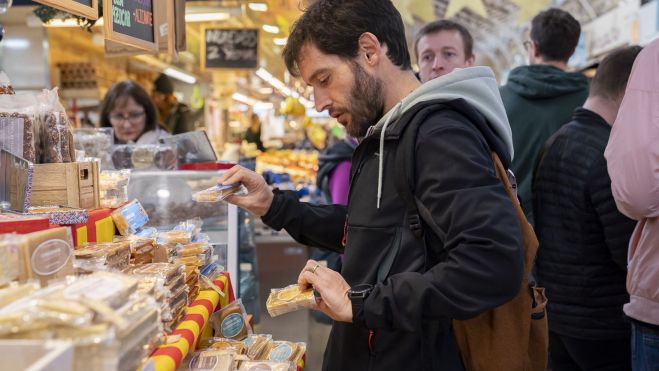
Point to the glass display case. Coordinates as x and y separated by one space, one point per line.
167 198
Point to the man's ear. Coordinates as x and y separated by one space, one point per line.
370 48
469 62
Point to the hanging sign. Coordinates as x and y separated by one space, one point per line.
229 48
83 8
131 22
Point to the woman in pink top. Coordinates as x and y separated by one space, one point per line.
632 156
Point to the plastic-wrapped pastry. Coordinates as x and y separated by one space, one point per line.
286 351
130 218
230 321
258 345
122 157
217 193
11 259
215 360
142 157
266 366
289 299
112 289
221 343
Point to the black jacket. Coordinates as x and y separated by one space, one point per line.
481 264
582 259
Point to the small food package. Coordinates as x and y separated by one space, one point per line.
267 366
144 156
11 259
286 351
113 186
19 125
231 322
48 254
56 134
221 343
5 84
16 291
103 256
95 143
111 289
289 299
258 345
218 192
130 218
213 360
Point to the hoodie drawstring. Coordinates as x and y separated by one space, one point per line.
381 159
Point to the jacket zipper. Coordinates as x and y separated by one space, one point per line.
344 240
371 359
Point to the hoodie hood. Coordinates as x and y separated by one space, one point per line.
542 82
476 85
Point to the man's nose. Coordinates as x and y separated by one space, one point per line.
321 99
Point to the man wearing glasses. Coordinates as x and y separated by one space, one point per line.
540 98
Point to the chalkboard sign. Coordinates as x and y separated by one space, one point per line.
230 48
131 22
83 8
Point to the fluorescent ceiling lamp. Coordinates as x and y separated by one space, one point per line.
206 17
258 7
180 75
251 101
270 28
281 41
265 91
18 44
69 22
281 87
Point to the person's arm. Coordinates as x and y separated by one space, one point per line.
484 269
617 228
632 153
320 226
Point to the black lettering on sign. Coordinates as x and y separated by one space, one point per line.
133 18
231 48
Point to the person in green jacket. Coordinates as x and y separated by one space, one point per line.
540 98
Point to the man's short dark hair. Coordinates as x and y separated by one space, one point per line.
446 25
334 26
556 34
613 73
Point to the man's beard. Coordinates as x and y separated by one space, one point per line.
366 105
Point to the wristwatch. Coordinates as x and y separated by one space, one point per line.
357 295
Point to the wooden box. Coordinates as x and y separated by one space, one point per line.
74 184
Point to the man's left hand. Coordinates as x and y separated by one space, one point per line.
333 290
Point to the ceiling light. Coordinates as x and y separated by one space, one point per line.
281 41
16 44
206 17
258 7
270 28
265 91
69 22
180 75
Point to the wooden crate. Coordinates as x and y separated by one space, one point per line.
72 184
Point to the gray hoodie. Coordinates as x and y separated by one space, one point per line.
476 85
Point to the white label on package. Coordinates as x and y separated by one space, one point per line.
11 135
50 257
95 288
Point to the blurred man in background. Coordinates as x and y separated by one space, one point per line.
174 116
540 98
582 259
442 46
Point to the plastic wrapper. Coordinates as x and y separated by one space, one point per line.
230 322
168 272
103 256
16 291
113 186
218 192
55 129
19 125
289 299
174 237
258 345
267 366
286 351
130 218
95 143
213 360
192 249
5 84
11 259
220 343
112 289
144 156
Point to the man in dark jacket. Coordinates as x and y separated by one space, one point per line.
175 116
582 258
396 295
540 98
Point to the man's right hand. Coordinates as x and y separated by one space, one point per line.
259 196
